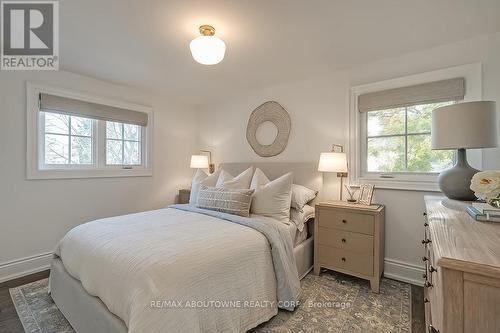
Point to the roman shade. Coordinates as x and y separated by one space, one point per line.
426 93
58 104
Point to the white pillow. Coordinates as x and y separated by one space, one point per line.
301 195
300 217
242 181
258 179
201 178
272 199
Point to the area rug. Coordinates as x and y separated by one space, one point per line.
332 302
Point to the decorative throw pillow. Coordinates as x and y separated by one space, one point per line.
242 181
258 179
201 178
273 199
301 195
226 200
300 217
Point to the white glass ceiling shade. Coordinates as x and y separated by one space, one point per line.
465 125
208 50
199 162
332 162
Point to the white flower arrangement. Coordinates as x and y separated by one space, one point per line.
486 185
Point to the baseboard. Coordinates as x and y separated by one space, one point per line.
403 271
25 266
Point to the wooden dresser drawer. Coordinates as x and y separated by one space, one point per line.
345 260
351 241
345 220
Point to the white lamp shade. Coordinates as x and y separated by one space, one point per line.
208 50
199 162
465 125
332 162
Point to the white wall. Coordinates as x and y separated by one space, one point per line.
319 108
35 214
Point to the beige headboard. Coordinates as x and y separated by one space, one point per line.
304 173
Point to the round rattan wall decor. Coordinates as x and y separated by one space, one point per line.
276 114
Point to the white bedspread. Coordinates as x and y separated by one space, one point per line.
149 268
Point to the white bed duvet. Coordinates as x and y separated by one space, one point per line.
172 270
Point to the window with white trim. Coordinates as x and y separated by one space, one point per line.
398 140
75 136
390 127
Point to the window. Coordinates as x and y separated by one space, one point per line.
67 140
123 144
399 140
75 136
390 128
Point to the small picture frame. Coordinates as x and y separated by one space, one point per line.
366 194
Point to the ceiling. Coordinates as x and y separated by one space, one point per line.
146 43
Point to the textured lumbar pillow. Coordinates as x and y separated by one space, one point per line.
301 195
242 181
201 178
272 199
226 200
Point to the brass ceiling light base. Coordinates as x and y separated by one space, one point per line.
207 30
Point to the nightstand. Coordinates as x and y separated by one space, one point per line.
184 195
349 238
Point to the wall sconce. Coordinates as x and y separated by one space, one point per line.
334 161
203 161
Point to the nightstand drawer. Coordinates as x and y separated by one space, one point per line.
345 260
344 220
351 241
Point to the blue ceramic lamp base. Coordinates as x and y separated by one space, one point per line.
455 182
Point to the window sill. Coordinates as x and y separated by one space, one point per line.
99 173
405 185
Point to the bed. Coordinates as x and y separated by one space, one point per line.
106 278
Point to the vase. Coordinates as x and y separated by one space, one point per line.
495 202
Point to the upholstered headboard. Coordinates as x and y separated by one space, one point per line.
304 173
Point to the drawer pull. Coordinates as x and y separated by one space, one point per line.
432 329
343 240
427 284
424 259
426 241
432 269
426 300
343 259
344 221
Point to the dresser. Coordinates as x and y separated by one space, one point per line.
462 262
349 238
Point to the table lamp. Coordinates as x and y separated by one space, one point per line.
334 162
462 126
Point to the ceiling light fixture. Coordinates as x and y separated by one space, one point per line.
207 49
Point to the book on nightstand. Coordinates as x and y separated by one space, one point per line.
482 215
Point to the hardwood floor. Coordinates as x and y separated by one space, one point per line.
9 321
